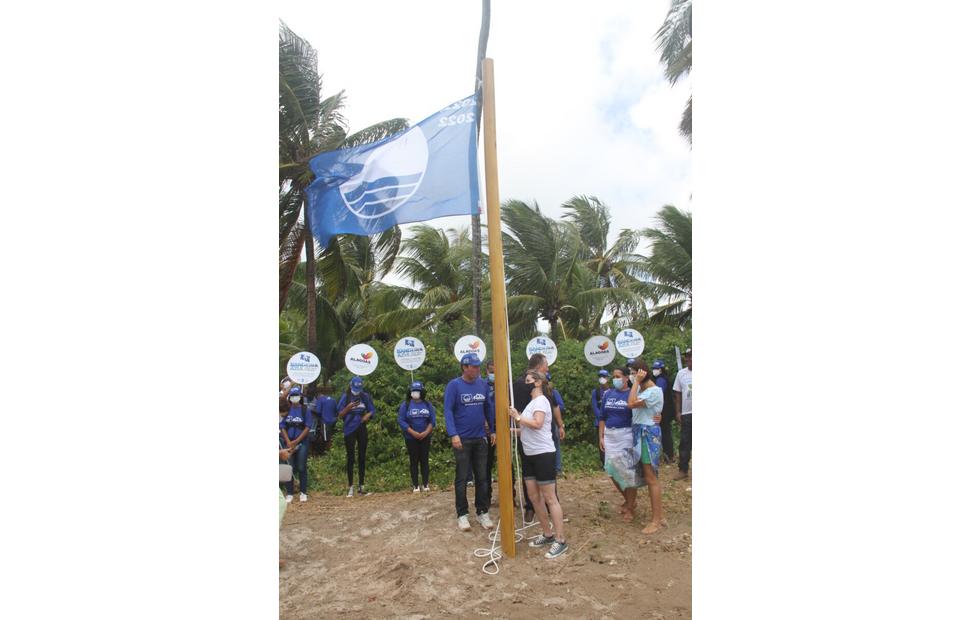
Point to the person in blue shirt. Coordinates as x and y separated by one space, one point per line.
416 417
468 412
622 459
294 428
558 428
324 409
596 405
667 415
355 408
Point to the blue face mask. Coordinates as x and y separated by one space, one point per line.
619 383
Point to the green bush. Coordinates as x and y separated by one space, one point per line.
388 385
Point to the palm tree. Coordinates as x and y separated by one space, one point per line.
616 268
309 125
674 43
546 274
670 267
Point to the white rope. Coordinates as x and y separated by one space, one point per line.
494 554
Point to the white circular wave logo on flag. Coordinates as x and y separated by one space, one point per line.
390 175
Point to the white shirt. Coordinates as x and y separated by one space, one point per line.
683 384
538 441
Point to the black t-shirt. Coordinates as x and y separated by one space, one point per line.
521 394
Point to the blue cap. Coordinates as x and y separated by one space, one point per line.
417 385
470 359
658 363
630 361
357 382
295 391
604 372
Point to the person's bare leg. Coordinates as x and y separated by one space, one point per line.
656 507
622 507
631 503
539 505
555 510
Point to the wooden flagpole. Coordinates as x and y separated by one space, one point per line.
500 336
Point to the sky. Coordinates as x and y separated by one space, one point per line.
582 106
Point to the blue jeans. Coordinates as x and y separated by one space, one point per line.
472 456
298 462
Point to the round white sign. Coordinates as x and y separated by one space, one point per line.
470 344
629 343
409 353
542 344
599 351
303 368
361 359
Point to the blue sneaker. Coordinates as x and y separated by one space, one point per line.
542 541
557 549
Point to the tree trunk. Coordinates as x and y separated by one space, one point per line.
311 286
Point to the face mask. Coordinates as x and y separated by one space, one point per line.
415 395
656 372
618 383
294 399
286 385
491 377
355 392
602 380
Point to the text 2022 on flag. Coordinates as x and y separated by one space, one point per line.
429 171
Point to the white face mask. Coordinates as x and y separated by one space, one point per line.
294 399
491 377
355 392
415 395
619 384
656 372
602 380
286 385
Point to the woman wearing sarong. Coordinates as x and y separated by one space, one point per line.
622 460
646 402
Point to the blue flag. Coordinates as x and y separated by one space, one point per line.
429 171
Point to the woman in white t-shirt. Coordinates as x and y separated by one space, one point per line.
539 463
646 400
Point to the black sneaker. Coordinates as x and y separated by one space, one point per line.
542 541
557 549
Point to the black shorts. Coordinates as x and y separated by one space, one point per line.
540 467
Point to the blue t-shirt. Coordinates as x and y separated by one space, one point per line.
326 408
415 414
467 407
615 409
558 401
352 418
662 383
295 421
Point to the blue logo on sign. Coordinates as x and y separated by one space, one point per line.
409 342
628 334
304 357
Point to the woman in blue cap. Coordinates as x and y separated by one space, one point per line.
416 417
295 427
597 406
356 409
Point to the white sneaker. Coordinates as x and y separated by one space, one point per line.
350 492
463 523
485 520
416 490
427 489
302 497
289 498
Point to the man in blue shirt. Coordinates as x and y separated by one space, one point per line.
324 409
597 407
558 429
468 408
